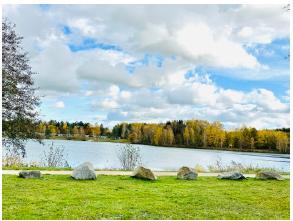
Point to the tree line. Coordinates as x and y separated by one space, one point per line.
66 128
201 133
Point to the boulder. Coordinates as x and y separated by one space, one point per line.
232 175
30 174
143 173
268 175
84 171
187 173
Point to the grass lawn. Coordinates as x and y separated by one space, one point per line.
122 197
71 169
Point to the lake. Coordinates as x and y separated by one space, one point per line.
103 155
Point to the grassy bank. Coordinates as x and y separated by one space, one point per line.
122 197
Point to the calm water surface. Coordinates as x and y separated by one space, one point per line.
103 155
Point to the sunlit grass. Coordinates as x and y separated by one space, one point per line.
122 197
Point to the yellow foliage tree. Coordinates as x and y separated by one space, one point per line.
96 130
52 129
157 135
42 128
132 137
57 130
282 141
75 131
186 135
191 136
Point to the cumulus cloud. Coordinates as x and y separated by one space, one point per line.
56 67
245 32
96 89
201 101
103 105
58 105
241 114
171 73
136 65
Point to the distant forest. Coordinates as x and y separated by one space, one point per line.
180 133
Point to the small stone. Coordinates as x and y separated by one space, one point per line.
143 173
268 175
187 173
84 171
30 174
232 175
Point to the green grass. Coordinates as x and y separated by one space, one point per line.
107 169
122 197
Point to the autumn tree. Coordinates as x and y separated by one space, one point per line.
157 135
52 129
96 129
132 138
82 132
75 131
90 129
170 136
282 141
42 128
65 127
57 130
191 136
123 130
186 135
19 101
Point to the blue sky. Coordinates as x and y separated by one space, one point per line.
109 64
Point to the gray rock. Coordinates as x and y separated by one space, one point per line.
232 175
187 173
268 175
143 173
30 174
84 171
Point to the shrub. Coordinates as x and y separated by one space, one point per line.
129 157
54 157
12 159
199 168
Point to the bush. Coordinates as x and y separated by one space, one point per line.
12 159
129 157
219 167
55 157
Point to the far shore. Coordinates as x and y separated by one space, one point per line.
91 139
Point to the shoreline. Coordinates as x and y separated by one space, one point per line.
124 141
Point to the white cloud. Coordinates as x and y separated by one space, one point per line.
287 98
201 101
56 67
58 105
246 32
196 35
104 105
171 73
99 89
286 47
